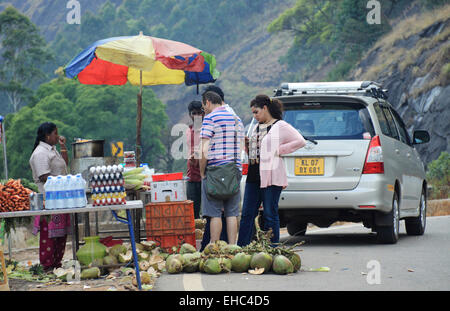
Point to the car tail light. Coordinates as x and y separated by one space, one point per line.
374 159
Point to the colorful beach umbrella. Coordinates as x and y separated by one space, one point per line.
142 60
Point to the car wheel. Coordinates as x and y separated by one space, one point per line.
389 234
296 228
416 225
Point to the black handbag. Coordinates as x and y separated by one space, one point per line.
223 181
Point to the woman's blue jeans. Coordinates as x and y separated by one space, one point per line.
253 196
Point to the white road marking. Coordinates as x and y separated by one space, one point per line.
192 282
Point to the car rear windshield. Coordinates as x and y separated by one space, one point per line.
330 120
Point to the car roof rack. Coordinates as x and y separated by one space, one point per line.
365 88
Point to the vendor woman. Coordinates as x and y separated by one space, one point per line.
47 161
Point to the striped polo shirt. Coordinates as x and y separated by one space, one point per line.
219 127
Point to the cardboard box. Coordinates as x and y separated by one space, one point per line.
168 191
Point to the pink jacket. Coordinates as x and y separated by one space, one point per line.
281 139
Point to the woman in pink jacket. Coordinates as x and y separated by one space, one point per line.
266 176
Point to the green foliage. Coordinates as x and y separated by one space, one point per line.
91 112
23 53
328 30
438 176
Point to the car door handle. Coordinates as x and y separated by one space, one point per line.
397 151
408 155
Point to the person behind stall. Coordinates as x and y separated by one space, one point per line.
266 176
215 129
46 161
194 183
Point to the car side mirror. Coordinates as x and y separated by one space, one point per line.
421 137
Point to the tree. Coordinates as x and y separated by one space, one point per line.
86 111
23 53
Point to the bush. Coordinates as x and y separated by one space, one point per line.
438 176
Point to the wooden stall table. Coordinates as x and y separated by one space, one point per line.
130 205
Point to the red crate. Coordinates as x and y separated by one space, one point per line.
166 242
167 177
169 218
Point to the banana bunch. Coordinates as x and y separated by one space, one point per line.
134 179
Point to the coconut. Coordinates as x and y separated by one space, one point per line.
225 264
145 278
296 261
174 265
176 256
123 258
97 262
212 266
232 249
201 265
149 245
91 273
282 265
191 262
110 260
144 265
211 248
221 244
187 248
261 260
143 256
241 262
117 249
200 223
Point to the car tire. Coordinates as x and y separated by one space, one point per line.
389 234
416 225
296 228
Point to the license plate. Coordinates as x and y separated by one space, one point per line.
309 166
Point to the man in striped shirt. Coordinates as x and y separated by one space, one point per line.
219 147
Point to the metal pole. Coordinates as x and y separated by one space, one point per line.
6 172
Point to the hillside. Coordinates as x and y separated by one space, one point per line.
410 59
413 63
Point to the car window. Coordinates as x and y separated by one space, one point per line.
390 122
385 129
404 137
330 120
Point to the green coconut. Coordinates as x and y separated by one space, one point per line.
282 265
187 248
174 265
211 248
191 262
261 260
176 256
110 260
97 262
201 265
296 261
212 266
225 264
221 244
117 249
91 273
241 262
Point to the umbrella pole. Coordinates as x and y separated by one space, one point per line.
139 123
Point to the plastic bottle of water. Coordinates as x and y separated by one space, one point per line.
69 187
60 194
50 193
80 186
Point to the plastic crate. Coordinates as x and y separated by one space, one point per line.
170 218
167 177
166 242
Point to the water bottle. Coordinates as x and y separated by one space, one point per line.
49 188
80 186
70 193
59 193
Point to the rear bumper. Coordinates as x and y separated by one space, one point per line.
373 192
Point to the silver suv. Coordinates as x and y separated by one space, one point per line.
359 163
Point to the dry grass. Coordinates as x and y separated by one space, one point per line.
438 207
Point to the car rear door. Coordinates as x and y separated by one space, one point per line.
342 128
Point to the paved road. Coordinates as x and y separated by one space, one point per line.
414 263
